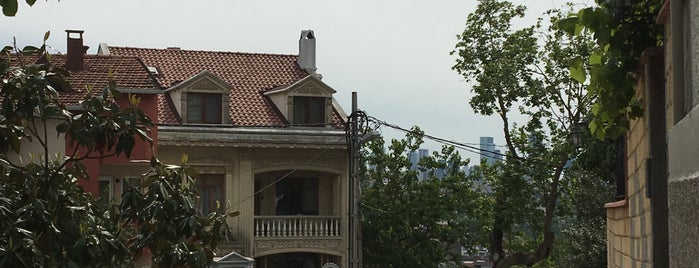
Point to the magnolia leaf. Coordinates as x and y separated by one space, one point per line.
9 7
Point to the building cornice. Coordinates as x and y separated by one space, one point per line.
303 138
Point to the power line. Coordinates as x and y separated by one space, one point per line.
461 145
465 146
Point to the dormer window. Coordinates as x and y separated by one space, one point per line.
309 111
202 99
306 103
204 108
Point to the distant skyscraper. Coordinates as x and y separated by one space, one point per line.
488 151
414 158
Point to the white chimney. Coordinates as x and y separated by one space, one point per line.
307 51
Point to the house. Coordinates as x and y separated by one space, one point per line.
656 224
267 139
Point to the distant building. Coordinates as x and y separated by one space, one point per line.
415 158
490 156
488 151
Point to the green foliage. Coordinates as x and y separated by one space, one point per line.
47 220
500 79
621 36
168 221
408 221
9 7
589 185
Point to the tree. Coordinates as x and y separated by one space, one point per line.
408 222
46 217
589 184
511 73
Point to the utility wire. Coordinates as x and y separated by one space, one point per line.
460 145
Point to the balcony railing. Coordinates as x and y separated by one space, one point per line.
297 226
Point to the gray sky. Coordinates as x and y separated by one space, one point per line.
394 53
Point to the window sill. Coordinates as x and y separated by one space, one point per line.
616 204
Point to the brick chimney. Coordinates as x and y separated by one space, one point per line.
307 51
76 50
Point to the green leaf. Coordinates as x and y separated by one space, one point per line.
9 7
596 58
31 3
568 24
29 50
577 70
48 33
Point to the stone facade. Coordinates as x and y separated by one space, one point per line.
683 148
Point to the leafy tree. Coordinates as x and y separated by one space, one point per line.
47 220
511 72
408 222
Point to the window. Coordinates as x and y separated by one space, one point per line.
106 187
309 111
297 196
204 108
112 188
211 193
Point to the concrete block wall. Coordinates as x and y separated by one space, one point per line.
629 240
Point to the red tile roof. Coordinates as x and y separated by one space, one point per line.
250 74
128 72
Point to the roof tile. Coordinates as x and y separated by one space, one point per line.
128 72
249 73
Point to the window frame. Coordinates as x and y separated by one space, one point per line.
204 182
205 98
304 106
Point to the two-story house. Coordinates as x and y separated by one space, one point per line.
267 139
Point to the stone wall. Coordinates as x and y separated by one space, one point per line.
629 220
683 153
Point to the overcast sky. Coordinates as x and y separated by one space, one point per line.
393 53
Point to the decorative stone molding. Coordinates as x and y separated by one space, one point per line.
249 145
311 91
205 85
266 161
293 244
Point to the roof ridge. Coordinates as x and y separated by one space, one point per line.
207 51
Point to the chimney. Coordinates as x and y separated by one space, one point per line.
76 50
307 51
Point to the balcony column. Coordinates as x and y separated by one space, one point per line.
247 206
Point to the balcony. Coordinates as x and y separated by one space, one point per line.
297 227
